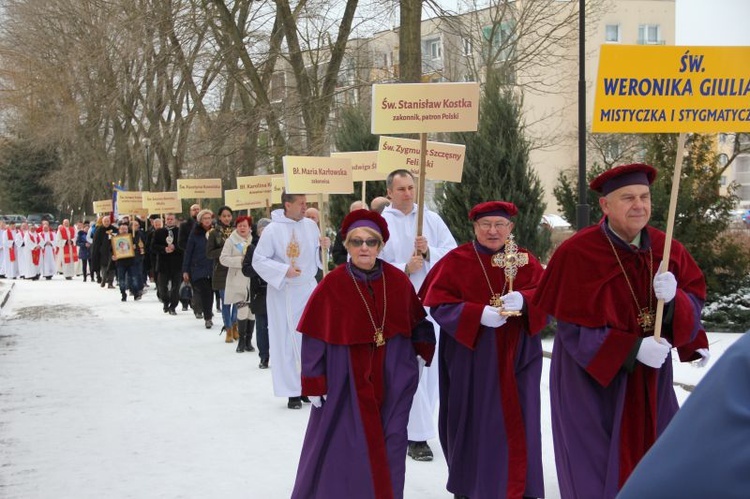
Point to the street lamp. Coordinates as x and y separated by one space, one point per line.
147 144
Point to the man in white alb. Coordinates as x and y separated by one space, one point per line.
415 256
287 257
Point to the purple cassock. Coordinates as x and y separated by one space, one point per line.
489 418
355 445
607 408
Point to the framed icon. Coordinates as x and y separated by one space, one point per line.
122 246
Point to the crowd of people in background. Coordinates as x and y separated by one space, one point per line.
192 263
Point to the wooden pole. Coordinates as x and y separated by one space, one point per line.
322 225
268 208
422 178
364 190
670 226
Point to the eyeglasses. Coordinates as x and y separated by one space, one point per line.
496 225
371 242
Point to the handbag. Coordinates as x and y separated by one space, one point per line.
186 291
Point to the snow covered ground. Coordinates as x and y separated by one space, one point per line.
104 399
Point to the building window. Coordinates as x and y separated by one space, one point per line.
723 159
722 138
649 34
497 41
468 46
723 180
612 33
434 49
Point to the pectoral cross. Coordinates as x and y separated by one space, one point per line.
510 260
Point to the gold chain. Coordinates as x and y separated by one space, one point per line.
495 300
646 318
378 337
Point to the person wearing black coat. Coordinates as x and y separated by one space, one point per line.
258 289
168 263
102 250
186 228
197 268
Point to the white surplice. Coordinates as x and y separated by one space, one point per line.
398 251
286 297
47 262
10 255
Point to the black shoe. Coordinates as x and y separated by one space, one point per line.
138 296
124 296
172 312
294 403
250 347
459 496
208 323
184 308
419 451
166 310
305 399
199 315
263 364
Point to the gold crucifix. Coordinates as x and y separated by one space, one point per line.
510 260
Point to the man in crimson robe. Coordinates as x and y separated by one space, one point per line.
490 364
66 240
611 380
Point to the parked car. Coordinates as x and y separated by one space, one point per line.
38 218
17 219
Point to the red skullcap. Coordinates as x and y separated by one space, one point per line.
620 176
365 218
493 209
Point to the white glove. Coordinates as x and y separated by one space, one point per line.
491 317
317 401
665 286
705 355
512 301
653 353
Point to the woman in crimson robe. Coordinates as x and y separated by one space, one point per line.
364 333
610 379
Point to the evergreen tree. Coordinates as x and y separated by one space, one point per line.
23 171
353 134
566 193
496 169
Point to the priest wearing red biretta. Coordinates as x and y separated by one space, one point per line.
611 380
362 331
490 360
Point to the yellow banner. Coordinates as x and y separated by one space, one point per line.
103 206
668 89
364 165
199 188
128 202
162 202
443 162
317 175
239 199
277 187
425 107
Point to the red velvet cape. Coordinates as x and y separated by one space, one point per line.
458 278
584 285
336 314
